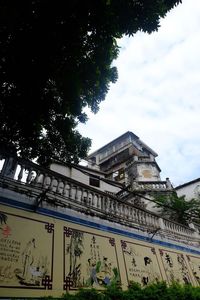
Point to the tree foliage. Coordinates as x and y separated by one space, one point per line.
56 59
178 209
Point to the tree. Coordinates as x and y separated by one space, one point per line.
56 59
178 209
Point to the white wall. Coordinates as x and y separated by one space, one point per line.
190 191
83 177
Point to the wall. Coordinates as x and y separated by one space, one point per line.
43 255
84 177
147 172
191 190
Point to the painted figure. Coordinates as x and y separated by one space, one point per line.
28 258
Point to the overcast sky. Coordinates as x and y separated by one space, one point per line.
157 95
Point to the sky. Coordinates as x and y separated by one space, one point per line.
157 95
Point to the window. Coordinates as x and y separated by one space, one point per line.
118 175
94 181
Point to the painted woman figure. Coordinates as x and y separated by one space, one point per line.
28 258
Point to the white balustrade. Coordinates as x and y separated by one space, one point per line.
31 175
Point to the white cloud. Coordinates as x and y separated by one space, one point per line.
157 94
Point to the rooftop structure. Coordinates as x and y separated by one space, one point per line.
125 159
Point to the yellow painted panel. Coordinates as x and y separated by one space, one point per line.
141 263
26 252
90 259
194 263
175 266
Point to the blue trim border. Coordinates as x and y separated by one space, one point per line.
91 224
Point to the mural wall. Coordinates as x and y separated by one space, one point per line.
26 257
42 255
175 266
141 263
90 260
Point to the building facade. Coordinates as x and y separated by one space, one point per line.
191 189
61 230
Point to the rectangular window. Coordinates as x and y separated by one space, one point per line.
94 181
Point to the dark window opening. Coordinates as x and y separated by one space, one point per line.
94 181
119 175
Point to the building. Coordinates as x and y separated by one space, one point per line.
68 227
125 159
191 189
129 161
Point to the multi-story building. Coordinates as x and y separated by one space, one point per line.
129 161
125 159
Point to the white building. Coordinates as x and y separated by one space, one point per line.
190 189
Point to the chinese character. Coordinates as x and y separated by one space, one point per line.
6 231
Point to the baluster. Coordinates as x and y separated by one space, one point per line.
9 167
114 207
109 205
105 203
94 200
46 181
59 186
89 198
79 194
125 211
131 214
20 173
128 212
102 202
148 219
76 192
119 209
67 190
152 220
110 210
51 187
29 177
73 192
85 197
122 211
36 180
155 221
98 201
145 218
138 216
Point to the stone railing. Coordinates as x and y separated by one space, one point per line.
144 186
27 177
176 227
150 186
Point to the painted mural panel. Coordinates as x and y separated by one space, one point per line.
141 263
194 263
90 260
26 252
175 266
